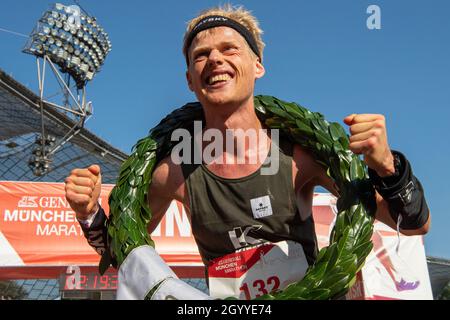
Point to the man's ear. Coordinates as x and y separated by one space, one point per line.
189 81
260 70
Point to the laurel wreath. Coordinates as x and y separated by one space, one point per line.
336 266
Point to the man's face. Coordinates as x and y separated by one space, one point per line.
222 68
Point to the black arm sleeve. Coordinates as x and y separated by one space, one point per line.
404 194
96 234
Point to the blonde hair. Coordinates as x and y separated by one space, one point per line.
237 13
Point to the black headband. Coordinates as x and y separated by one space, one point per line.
220 21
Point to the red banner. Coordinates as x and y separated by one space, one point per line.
40 237
39 228
38 231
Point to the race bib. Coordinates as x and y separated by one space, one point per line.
252 272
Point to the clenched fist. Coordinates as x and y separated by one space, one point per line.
368 136
83 188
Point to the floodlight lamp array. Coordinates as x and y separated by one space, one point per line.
41 157
72 40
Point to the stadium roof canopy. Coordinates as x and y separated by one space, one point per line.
20 120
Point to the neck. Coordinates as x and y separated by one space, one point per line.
243 117
237 116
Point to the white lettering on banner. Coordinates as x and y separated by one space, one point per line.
174 217
30 215
43 202
58 230
10 215
157 231
28 202
53 202
181 220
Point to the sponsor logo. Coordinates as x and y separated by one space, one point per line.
261 207
240 238
28 202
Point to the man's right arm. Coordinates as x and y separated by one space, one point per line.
167 185
83 188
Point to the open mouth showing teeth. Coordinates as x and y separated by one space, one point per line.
218 78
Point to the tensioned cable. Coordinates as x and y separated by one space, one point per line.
15 33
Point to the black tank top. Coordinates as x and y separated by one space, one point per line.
230 214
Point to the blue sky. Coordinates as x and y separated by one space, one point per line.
319 53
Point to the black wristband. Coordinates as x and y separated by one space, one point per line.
97 232
404 194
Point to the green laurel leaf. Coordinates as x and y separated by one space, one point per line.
336 266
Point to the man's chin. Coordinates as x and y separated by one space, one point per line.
219 100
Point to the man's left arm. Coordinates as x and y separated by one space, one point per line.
399 192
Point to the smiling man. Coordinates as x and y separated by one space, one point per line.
233 208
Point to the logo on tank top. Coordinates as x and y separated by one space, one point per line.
240 238
261 207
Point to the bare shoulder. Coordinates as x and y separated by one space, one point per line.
309 173
305 169
168 181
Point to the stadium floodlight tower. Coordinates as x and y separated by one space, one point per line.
74 46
